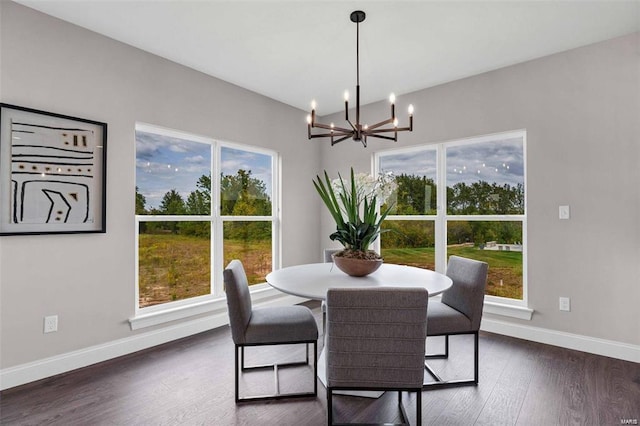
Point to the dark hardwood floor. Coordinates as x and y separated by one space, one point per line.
190 382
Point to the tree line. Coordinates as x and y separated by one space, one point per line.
240 195
244 195
416 195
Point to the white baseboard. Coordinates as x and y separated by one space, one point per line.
32 371
578 342
47 367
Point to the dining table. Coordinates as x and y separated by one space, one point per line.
313 280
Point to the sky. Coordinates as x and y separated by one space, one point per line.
233 160
164 163
501 162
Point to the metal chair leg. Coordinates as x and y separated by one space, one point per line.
419 408
439 381
239 367
329 407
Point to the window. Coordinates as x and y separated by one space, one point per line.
246 209
480 212
410 229
199 204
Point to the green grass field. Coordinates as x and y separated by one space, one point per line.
175 267
172 267
505 268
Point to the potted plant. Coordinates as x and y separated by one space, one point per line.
354 207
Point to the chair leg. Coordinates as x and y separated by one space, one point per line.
419 408
240 367
403 412
329 406
444 355
439 382
315 368
236 375
475 357
446 346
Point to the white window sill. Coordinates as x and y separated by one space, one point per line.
506 310
262 295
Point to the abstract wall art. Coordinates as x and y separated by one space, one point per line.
52 173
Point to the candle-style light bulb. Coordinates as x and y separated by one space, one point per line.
392 98
395 122
410 109
346 105
313 104
308 118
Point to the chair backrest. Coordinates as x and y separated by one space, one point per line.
328 253
376 337
466 295
236 288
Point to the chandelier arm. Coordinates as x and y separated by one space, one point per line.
327 135
333 142
348 133
343 130
388 130
395 139
382 123
353 127
335 129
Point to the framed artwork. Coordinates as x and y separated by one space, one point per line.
52 173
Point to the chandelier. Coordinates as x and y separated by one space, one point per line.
357 131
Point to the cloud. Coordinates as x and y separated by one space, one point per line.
196 159
414 163
500 161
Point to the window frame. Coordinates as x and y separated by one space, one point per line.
206 303
442 217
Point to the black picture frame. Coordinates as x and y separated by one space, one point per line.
52 173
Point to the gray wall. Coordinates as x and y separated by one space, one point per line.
88 280
581 110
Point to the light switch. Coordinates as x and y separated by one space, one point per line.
564 212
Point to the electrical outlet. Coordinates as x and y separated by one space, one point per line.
51 324
565 304
564 212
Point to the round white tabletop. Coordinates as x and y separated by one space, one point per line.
313 280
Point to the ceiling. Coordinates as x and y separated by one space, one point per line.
296 51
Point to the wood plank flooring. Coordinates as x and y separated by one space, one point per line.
190 382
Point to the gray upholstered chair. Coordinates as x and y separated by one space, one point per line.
376 341
459 312
266 326
328 253
323 305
